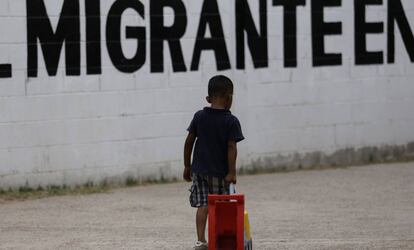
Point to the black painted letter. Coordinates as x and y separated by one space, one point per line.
320 29
93 37
396 13
289 30
257 43
210 16
172 34
362 28
113 36
68 31
5 71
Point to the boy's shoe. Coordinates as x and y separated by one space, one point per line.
201 246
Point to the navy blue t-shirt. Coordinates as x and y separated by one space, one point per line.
213 129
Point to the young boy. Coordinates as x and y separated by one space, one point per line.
214 160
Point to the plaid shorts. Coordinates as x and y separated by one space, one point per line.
204 185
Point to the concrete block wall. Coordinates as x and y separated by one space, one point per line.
112 126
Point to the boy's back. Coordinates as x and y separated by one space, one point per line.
213 129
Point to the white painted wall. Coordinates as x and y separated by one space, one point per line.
68 130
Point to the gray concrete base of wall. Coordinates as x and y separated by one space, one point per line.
171 171
340 158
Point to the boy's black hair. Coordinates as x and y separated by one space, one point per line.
220 86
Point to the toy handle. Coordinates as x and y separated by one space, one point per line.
232 188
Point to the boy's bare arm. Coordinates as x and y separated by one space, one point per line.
231 158
188 149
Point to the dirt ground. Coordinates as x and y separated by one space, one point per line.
370 207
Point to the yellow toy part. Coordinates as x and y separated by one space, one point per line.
248 244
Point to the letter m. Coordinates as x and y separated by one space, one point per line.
39 29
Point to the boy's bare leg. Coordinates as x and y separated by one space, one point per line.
201 221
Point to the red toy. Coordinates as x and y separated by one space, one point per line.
226 222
